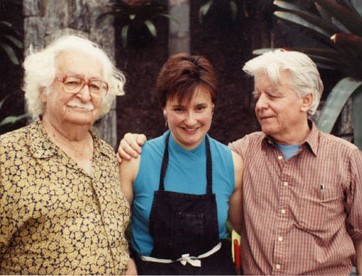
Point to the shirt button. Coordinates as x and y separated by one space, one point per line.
283 211
280 157
285 184
277 266
280 238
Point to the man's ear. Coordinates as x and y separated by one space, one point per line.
307 102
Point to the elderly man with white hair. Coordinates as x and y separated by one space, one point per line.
61 207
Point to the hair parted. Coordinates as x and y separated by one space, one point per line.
303 71
40 71
182 74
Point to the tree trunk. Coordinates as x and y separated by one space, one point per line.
45 20
179 31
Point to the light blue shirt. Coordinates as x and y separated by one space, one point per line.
288 150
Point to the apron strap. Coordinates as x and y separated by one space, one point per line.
185 258
208 165
164 163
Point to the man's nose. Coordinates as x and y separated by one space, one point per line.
262 102
84 93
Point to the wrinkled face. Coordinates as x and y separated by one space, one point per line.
63 108
189 122
280 110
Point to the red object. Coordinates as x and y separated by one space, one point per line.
237 254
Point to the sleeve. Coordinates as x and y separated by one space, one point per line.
354 197
7 225
239 146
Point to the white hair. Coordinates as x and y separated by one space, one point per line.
40 72
303 71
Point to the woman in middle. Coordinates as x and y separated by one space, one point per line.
185 185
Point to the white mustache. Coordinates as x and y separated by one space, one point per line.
87 107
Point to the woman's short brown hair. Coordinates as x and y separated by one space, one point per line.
182 74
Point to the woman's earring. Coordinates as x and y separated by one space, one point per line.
165 117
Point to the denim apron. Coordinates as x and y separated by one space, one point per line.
184 228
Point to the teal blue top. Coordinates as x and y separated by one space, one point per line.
186 173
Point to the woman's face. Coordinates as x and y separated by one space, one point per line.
190 121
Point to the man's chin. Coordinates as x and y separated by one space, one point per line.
268 130
82 121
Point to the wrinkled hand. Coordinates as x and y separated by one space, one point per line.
130 146
131 268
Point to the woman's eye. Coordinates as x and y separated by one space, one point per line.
178 109
201 108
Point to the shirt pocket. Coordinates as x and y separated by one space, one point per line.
319 207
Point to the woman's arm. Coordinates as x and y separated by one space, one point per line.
128 173
235 203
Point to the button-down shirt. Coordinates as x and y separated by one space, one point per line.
54 217
302 215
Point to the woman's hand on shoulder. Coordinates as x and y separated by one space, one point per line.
130 146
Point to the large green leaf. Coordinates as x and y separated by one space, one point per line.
10 53
343 14
151 27
12 119
3 100
313 19
357 117
299 20
9 42
124 35
335 102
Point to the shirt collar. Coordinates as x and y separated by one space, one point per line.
42 147
311 142
40 144
313 138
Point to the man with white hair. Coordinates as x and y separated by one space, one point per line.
61 207
302 189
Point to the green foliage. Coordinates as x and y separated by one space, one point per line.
339 26
10 44
337 98
10 119
135 18
231 5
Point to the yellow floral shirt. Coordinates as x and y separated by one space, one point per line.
54 217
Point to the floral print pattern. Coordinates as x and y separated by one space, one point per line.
54 217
